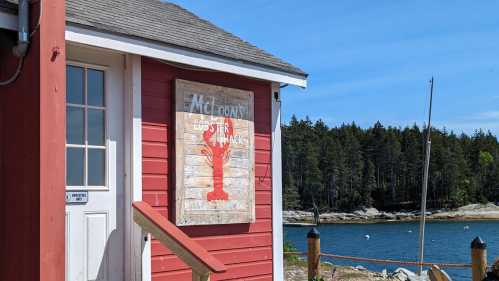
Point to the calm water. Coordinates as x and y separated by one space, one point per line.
445 242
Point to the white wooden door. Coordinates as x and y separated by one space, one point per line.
94 166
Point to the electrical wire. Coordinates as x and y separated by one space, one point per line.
385 261
15 75
20 63
37 26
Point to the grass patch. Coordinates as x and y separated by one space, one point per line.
289 247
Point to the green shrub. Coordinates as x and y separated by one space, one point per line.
289 247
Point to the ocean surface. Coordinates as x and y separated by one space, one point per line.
445 242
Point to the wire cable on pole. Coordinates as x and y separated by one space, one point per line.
422 222
16 74
20 62
37 26
386 261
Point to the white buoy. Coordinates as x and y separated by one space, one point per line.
410 231
466 227
367 236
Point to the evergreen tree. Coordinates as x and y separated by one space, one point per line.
345 167
290 196
368 184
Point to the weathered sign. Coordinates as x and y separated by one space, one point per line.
215 171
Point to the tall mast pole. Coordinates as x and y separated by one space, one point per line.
425 186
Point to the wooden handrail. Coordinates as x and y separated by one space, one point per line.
188 250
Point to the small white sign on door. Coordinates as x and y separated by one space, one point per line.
76 196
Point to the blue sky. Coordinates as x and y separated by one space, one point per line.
371 60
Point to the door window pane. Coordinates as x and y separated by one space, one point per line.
74 166
85 128
75 125
74 85
95 87
96 167
95 127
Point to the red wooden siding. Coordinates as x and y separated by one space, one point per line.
246 249
32 137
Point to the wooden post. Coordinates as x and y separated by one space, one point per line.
200 277
478 259
314 250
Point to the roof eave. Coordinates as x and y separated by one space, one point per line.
140 46
8 20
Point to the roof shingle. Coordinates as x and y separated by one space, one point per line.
7 7
169 24
165 23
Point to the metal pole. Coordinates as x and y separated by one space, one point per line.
422 221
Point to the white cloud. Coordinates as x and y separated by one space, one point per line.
487 121
486 115
490 115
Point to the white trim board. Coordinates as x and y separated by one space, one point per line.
277 230
138 268
8 21
158 51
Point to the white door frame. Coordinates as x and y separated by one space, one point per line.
84 56
137 243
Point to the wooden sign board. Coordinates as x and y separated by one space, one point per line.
214 150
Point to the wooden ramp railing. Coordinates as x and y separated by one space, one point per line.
188 250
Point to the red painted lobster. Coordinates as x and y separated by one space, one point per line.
218 154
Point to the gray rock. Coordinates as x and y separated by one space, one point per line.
360 267
388 216
403 274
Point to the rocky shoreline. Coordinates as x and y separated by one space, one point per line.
487 211
297 271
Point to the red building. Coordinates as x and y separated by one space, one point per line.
126 118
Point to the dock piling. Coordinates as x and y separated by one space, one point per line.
314 251
478 259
